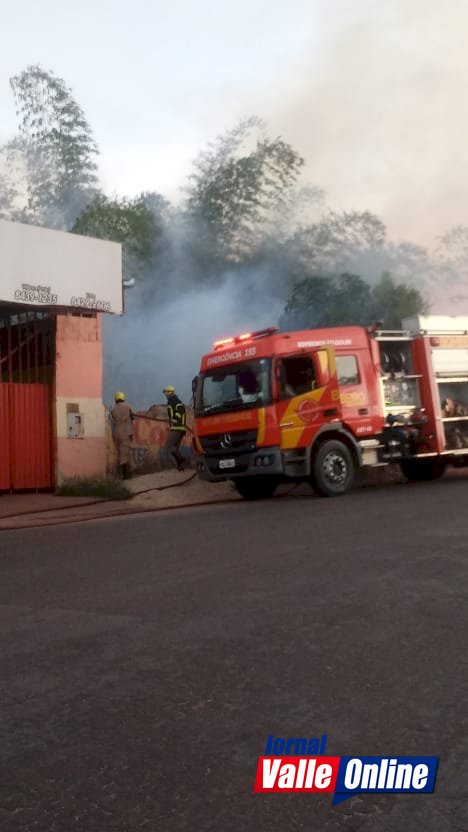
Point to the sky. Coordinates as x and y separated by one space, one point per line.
372 93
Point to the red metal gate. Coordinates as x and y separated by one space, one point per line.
30 436
26 372
4 437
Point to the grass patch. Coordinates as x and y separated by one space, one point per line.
108 488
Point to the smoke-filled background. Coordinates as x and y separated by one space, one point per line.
342 200
169 342
378 107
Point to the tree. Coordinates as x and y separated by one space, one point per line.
8 192
453 246
337 241
238 185
134 223
321 301
58 147
394 301
346 299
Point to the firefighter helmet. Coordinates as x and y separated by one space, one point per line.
119 397
169 390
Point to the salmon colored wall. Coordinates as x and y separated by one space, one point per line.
78 382
80 457
78 357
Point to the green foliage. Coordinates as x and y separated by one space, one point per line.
57 145
327 301
107 488
246 213
7 196
452 269
238 185
322 301
337 238
394 301
130 222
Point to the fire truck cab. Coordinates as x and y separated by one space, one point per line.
319 404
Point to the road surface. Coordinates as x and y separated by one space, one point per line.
145 660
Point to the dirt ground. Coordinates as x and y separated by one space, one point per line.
164 489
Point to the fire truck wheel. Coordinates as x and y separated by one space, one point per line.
422 470
256 488
333 469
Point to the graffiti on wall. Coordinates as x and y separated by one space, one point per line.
149 437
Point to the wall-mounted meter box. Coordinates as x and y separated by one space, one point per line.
75 422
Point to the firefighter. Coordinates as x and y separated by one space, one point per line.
177 425
123 417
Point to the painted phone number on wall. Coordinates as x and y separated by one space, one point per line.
91 303
34 296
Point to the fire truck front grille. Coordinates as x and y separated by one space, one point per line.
237 442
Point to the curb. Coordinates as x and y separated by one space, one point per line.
34 524
97 502
56 508
124 512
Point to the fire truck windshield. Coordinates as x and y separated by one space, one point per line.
234 387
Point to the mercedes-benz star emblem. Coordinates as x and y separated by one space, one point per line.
226 441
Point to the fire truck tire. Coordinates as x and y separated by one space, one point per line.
333 469
422 470
256 488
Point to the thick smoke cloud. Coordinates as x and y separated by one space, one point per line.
172 318
379 110
162 342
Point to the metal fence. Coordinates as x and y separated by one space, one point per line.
27 357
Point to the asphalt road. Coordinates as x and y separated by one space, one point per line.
145 660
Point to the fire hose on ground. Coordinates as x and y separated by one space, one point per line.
174 484
134 493
192 476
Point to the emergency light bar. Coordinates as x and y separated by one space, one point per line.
246 336
223 342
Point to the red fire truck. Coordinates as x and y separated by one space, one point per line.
319 404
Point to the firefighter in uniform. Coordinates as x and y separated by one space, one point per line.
177 425
123 416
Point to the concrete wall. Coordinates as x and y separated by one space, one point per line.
78 398
83 436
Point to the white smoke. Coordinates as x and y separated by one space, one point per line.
377 106
157 344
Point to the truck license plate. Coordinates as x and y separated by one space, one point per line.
227 463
